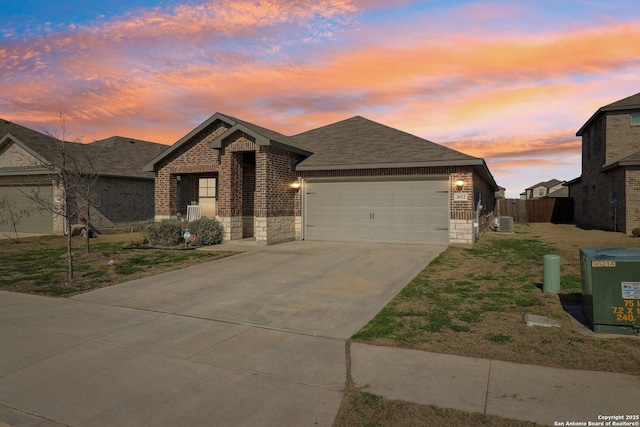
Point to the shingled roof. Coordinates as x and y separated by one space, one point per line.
361 143
547 184
263 136
632 159
629 103
114 156
355 143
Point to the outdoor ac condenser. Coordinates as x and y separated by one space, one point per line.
503 224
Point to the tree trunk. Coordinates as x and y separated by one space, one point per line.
86 230
69 249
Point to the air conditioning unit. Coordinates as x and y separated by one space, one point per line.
503 224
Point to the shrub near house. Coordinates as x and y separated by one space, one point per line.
170 232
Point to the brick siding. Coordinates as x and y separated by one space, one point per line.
609 138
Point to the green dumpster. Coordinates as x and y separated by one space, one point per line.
611 289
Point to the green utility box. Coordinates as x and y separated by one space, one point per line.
611 289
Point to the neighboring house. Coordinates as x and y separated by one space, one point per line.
355 180
607 194
123 192
544 189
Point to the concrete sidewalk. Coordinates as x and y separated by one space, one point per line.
511 390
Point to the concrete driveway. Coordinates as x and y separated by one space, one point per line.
254 339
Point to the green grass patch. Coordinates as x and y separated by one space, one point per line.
499 338
39 265
571 284
500 279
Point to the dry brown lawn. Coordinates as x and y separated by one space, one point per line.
473 303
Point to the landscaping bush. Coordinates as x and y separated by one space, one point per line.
141 225
209 231
167 232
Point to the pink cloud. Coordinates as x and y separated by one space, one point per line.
158 73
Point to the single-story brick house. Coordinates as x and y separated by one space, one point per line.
355 180
123 192
607 194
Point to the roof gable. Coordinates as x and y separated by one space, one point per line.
14 154
361 143
115 156
262 136
546 184
629 103
150 166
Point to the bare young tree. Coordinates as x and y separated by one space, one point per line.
74 175
84 185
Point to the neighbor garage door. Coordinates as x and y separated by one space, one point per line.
35 221
390 210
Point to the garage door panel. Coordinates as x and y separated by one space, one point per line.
36 220
397 211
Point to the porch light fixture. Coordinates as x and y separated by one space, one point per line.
295 185
459 184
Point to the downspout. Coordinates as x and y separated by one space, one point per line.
476 225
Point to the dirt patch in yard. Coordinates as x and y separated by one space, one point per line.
472 302
366 409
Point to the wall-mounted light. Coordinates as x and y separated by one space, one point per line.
295 185
178 178
459 184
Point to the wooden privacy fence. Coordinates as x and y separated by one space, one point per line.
552 209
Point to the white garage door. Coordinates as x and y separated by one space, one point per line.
390 210
33 220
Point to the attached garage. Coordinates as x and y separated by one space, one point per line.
391 210
367 182
35 220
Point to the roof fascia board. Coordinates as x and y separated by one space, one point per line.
149 167
109 175
620 163
474 162
8 137
483 170
28 172
588 122
573 181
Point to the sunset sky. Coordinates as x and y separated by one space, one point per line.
508 81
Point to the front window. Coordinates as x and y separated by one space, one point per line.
635 118
207 196
541 192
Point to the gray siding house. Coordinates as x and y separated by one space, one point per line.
123 192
